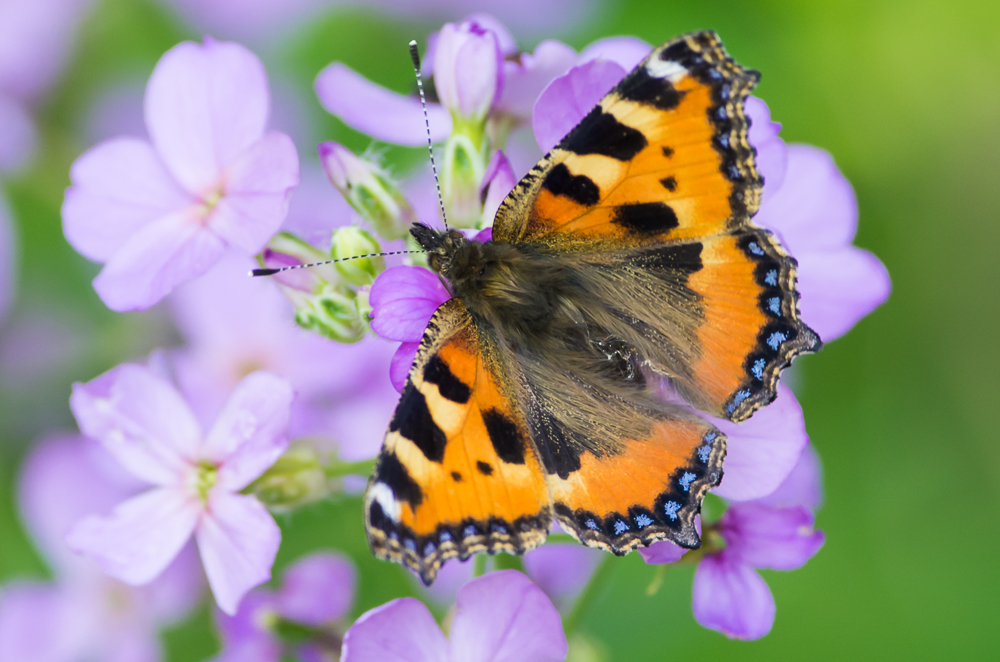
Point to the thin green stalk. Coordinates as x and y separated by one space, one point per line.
339 469
591 592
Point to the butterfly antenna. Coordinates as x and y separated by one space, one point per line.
415 56
271 272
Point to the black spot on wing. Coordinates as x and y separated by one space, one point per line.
578 188
646 217
675 258
667 151
413 420
639 86
602 133
669 183
484 468
451 387
457 477
506 438
393 473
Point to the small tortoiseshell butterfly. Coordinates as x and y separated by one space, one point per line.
626 254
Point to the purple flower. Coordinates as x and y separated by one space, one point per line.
84 614
316 592
163 212
468 69
500 616
234 325
194 479
568 98
403 299
728 594
775 532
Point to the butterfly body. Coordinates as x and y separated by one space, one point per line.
624 266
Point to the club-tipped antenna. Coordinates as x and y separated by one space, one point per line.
415 56
271 272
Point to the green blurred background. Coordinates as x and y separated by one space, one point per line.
904 94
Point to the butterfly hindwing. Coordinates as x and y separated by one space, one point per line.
657 185
457 473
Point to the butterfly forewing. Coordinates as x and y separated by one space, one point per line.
457 473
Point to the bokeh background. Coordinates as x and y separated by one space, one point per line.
904 93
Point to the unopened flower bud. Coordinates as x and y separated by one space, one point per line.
332 313
296 479
287 250
468 70
369 190
352 241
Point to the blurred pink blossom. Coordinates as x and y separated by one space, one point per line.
84 614
194 480
163 212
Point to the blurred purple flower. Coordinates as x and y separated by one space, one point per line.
84 614
775 532
194 479
500 616
234 325
161 213
316 591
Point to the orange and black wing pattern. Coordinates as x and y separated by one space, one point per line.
457 473
659 180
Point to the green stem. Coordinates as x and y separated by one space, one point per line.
338 469
479 565
598 581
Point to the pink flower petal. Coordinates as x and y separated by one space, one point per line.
205 105
802 487
403 299
772 153
156 259
732 598
258 187
402 361
468 68
117 188
238 540
141 419
761 452
376 111
569 98
561 569
252 430
399 631
498 182
503 617
41 623
317 589
662 552
141 536
766 537
628 52
840 287
815 207
525 78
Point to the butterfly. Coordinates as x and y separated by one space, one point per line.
625 259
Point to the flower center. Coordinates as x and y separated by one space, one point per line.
210 200
205 476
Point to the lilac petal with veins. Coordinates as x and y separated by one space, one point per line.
403 300
503 617
730 597
378 112
399 631
568 99
766 537
628 52
802 487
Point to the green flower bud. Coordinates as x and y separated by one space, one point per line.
369 190
332 313
465 161
350 241
296 479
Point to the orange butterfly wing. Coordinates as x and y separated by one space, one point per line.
457 473
663 166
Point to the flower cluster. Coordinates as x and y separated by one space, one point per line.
273 394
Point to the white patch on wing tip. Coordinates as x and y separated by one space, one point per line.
382 493
668 69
